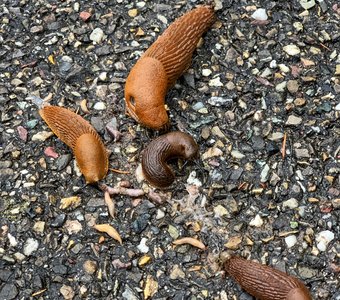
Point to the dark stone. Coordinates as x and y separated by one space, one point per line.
236 174
140 223
272 148
104 50
258 142
63 161
58 221
60 269
9 291
5 274
280 222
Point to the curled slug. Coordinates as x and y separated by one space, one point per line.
264 282
81 137
160 66
155 156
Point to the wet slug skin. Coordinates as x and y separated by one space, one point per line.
160 66
264 282
81 137
168 146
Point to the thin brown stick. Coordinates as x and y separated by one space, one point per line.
283 149
119 171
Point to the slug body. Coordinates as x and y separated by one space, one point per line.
81 137
155 156
264 282
160 66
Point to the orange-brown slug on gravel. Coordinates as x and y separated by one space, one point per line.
160 66
155 156
264 282
82 138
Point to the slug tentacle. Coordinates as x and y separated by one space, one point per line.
154 159
81 137
160 66
264 282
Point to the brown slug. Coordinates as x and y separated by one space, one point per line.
160 66
155 156
82 138
264 282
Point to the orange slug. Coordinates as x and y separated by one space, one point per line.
155 156
264 282
160 66
82 138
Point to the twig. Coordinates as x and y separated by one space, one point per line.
283 149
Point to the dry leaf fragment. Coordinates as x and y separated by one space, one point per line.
151 287
70 201
109 230
83 106
51 59
109 203
191 241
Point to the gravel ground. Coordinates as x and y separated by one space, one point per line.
252 84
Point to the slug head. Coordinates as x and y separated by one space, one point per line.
91 157
183 145
145 91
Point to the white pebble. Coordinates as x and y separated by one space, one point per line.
284 68
215 82
290 203
30 246
324 238
273 64
237 154
281 86
337 107
160 214
12 240
206 72
142 247
193 180
260 14
290 240
291 49
256 222
97 35
103 76
99 106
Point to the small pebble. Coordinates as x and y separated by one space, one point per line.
256 222
260 14
85 16
142 247
216 82
323 238
293 120
30 246
97 35
290 203
206 72
290 240
291 50
99 106
307 4
237 154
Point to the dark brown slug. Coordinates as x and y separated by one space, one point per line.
82 138
160 66
155 156
264 282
